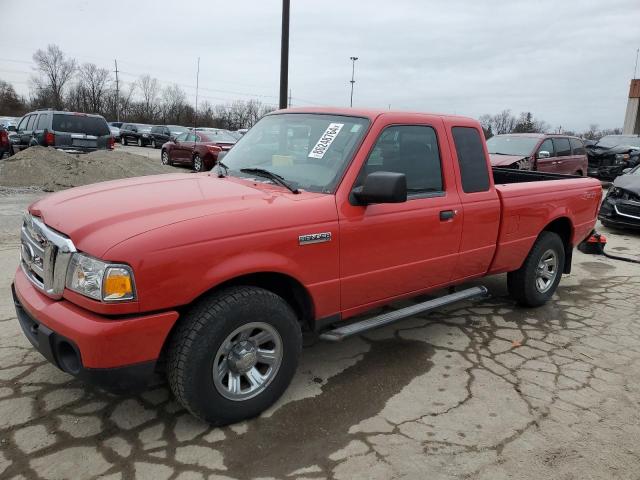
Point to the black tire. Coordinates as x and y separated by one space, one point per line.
197 164
522 283
153 143
197 339
123 141
140 142
165 158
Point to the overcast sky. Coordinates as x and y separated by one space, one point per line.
567 61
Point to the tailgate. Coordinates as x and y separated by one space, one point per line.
527 208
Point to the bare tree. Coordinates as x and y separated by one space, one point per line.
55 70
503 122
150 89
95 85
174 101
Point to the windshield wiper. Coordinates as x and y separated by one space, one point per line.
221 165
499 153
274 177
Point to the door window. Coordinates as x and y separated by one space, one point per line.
190 138
42 122
547 146
182 137
32 120
409 149
23 124
577 146
563 148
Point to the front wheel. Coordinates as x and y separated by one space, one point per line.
153 143
165 158
234 354
123 141
536 281
140 144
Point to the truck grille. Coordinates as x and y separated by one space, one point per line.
44 256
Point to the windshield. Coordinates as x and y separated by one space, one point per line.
143 128
512 145
309 151
614 140
71 123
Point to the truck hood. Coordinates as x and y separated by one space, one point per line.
97 217
504 160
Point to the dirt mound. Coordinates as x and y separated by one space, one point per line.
52 170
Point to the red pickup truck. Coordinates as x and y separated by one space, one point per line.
314 217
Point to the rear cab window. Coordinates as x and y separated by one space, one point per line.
70 123
474 172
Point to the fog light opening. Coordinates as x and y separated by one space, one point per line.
68 358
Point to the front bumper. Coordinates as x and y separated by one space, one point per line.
115 354
620 213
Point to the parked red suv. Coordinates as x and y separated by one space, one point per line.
199 149
540 152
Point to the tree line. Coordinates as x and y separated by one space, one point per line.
505 122
60 82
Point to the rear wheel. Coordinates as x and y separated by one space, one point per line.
140 144
123 141
234 354
536 281
153 143
198 166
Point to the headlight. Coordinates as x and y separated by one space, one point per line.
621 157
99 280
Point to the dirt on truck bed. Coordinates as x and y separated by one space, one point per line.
52 170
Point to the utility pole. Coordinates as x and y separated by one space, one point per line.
635 69
284 54
289 98
353 74
117 92
195 116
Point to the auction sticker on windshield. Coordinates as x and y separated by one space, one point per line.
326 140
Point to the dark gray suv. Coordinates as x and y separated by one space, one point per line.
68 131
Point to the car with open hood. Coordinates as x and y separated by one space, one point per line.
621 206
539 152
612 154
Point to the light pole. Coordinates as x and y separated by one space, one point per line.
284 54
353 73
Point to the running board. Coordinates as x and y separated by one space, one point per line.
341 333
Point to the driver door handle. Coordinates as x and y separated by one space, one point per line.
447 215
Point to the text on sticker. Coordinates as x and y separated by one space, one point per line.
326 140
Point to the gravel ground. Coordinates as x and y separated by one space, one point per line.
479 391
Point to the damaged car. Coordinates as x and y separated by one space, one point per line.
613 154
621 206
538 152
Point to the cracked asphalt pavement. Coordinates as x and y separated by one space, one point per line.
481 390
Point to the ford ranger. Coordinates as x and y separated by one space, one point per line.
313 218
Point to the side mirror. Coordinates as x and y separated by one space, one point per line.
543 154
626 170
382 187
11 128
172 139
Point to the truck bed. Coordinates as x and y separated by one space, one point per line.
530 200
